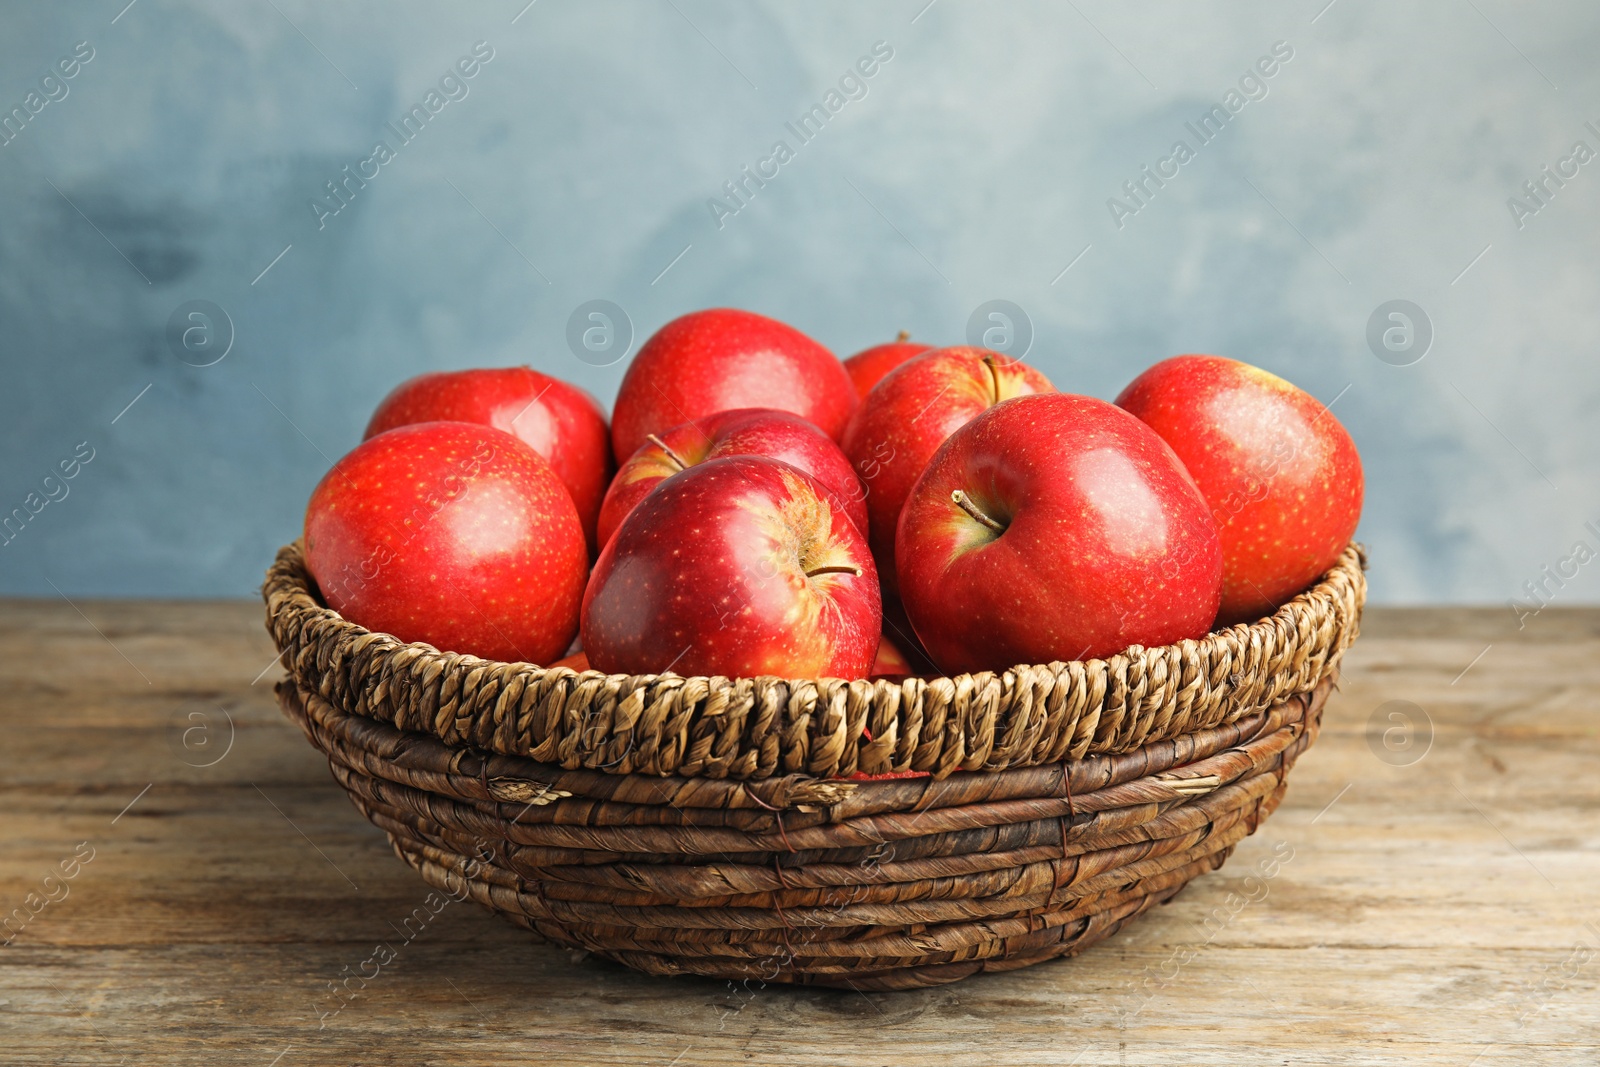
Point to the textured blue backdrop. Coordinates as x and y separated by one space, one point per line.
579 160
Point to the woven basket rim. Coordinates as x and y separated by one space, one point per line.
1353 555
698 726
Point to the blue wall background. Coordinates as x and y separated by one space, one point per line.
183 158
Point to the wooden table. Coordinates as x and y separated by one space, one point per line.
200 883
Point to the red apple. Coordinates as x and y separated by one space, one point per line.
890 662
735 567
451 533
578 661
563 423
868 366
723 358
1282 476
907 417
1055 527
779 435
897 627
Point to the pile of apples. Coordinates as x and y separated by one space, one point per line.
777 512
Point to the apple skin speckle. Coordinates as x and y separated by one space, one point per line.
780 435
716 572
719 359
1106 541
454 534
558 420
909 414
869 366
1281 474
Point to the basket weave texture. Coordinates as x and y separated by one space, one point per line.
707 826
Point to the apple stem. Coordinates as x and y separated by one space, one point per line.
905 335
834 570
659 443
965 503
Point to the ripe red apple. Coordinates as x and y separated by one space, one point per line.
735 567
779 435
897 628
890 662
724 358
868 366
1282 476
907 417
563 423
1055 527
451 533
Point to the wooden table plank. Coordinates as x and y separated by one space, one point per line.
1444 911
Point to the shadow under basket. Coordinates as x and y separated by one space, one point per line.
712 826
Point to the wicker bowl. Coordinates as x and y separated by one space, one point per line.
711 826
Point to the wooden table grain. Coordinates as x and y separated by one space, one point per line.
183 883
